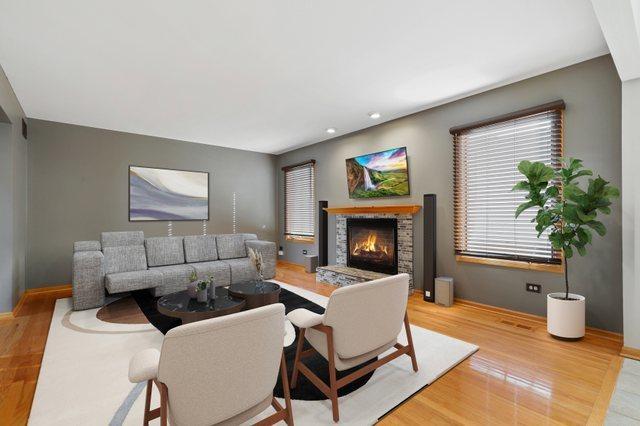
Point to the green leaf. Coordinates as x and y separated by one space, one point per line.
598 227
574 193
584 235
582 250
568 252
570 213
579 174
611 191
524 206
604 210
585 217
596 187
552 191
524 167
574 164
521 186
556 240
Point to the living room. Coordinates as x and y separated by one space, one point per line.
317 213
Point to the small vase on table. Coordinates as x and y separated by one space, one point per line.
212 289
202 293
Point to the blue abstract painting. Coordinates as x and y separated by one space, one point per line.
166 194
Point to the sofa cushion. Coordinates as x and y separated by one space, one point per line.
218 270
118 239
231 246
174 277
128 281
162 251
79 246
241 270
124 259
200 248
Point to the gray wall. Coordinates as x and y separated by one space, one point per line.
78 187
13 189
592 92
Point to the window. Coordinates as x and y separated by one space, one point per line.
299 201
486 158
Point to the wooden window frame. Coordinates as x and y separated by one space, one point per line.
545 265
294 237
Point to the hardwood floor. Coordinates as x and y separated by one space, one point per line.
22 341
519 375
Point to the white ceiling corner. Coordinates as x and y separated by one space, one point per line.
620 23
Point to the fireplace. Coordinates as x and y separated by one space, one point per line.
372 244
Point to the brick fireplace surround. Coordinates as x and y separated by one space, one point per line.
341 275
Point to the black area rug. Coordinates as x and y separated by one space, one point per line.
305 390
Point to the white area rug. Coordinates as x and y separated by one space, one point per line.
83 378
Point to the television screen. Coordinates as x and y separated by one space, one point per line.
165 194
381 174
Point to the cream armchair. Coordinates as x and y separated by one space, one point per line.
217 371
361 322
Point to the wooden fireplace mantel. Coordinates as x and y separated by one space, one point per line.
398 209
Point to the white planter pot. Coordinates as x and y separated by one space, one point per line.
565 318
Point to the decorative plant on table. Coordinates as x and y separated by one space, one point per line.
258 262
569 214
201 289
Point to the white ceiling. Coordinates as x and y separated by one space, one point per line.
272 75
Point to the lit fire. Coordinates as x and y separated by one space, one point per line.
369 246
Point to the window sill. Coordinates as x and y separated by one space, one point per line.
516 264
299 239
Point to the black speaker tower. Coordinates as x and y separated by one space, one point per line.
323 222
429 216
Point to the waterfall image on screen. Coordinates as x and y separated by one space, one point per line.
165 194
381 174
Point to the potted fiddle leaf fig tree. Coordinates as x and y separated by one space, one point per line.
568 214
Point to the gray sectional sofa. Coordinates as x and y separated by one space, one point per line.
126 261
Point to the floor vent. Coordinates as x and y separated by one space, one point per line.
513 324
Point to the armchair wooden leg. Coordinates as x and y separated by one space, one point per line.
147 403
412 351
332 375
164 396
294 374
282 413
285 389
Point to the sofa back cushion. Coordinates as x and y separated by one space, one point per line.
86 246
200 248
124 259
162 251
231 246
119 239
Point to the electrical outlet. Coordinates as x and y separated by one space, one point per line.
533 288
304 252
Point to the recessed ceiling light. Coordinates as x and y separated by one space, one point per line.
374 115
331 130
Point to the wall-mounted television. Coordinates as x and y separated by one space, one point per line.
157 194
381 174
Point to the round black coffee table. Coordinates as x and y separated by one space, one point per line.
256 293
180 305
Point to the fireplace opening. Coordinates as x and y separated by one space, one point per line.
372 244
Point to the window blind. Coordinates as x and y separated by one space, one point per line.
486 159
299 192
